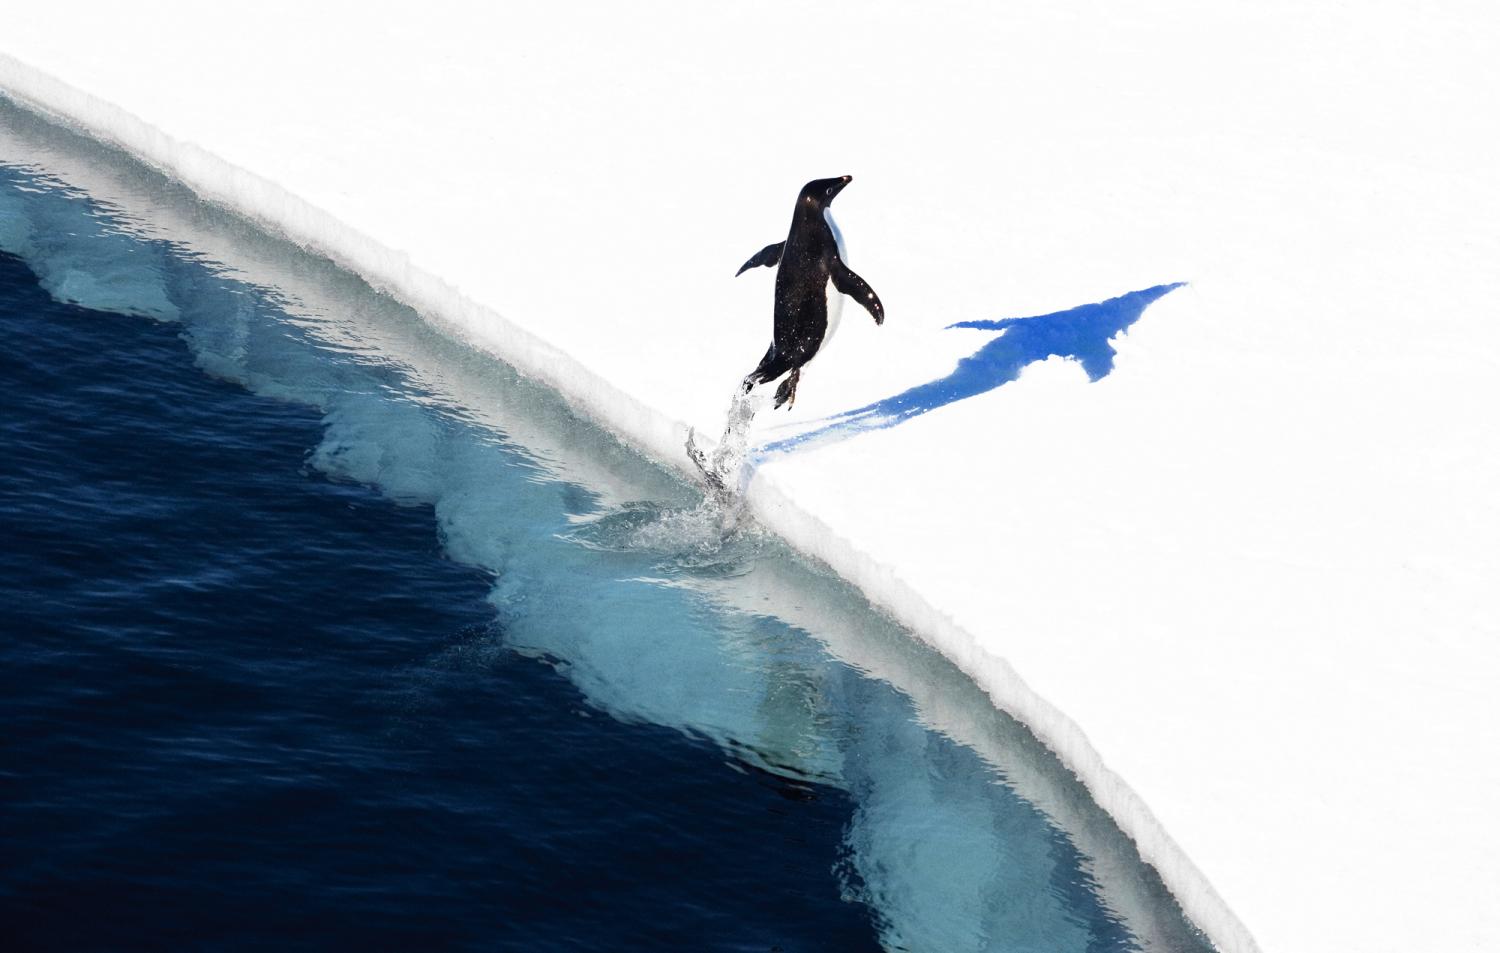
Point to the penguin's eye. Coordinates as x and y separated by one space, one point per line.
828 191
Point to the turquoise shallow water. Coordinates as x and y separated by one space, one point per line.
536 728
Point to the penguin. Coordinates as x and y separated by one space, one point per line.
807 263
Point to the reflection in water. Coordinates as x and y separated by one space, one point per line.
1081 334
966 836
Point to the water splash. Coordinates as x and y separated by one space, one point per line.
726 468
680 540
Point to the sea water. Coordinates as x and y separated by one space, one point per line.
327 629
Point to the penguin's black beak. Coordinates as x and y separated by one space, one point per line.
822 191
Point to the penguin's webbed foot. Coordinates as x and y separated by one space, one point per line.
787 392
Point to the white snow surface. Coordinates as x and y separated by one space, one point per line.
1245 585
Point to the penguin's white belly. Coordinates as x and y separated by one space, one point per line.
835 308
835 301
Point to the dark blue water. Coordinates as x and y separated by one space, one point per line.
323 629
247 706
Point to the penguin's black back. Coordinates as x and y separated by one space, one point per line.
801 314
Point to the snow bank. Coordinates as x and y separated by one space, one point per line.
1253 563
930 888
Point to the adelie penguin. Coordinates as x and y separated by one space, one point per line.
809 270
810 274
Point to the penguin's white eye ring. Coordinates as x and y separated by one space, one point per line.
828 191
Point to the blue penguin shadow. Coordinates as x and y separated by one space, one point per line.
1081 334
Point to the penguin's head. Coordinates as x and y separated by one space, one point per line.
819 192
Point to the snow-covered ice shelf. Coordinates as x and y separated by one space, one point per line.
1243 583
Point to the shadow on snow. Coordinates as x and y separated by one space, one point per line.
1081 334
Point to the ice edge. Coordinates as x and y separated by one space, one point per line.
649 430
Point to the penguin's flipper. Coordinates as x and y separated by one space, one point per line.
847 282
767 257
